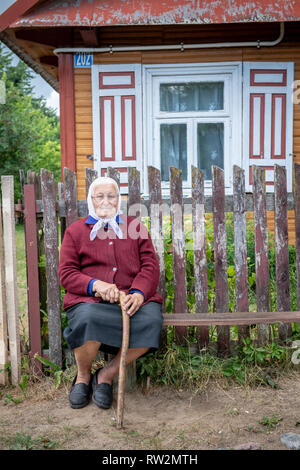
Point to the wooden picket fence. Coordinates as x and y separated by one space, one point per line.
45 203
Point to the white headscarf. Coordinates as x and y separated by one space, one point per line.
103 221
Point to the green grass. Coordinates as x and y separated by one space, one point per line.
249 365
21 441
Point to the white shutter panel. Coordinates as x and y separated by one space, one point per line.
268 119
117 123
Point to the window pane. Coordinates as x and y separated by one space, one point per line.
210 147
173 149
180 97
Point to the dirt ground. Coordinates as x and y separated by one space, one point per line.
217 418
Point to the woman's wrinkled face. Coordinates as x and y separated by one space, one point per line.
105 200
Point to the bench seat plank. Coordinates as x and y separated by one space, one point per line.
229 318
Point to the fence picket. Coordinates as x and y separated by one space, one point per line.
33 292
220 249
178 242
296 190
51 252
114 174
7 183
62 220
156 232
3 316
156 225
90 176
200 264
134 193
240 246
70 189
282 249
261 250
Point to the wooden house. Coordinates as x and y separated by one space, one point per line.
175 83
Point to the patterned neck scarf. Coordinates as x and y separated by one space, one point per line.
103 221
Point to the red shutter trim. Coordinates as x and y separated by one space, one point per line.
254 72
133 127
262 125
283 125
116 74
102 128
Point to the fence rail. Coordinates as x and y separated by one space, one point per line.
47 205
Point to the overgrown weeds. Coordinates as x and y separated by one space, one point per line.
178 367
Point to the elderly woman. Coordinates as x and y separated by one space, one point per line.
101 255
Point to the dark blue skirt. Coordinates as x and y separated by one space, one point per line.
103 322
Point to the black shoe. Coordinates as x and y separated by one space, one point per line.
102 393
80 394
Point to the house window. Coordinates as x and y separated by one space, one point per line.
210 147
193 98
192 118
196 114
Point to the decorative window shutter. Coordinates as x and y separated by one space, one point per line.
117 119
268 119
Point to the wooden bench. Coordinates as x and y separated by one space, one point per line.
229 318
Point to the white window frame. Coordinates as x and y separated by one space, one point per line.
231 74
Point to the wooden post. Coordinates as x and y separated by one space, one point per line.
51 252
178 241
7 183
3 315
115 174
67 111
200 264
220 249
261 250
34 178
32 277
156 227
134 193
90 176
296 190
282 249
240 246
62 220
70 190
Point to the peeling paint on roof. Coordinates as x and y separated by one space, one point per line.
134 12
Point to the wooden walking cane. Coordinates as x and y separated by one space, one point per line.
122 367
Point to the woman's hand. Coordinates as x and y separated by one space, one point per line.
108 292
132 302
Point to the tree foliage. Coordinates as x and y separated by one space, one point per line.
29 130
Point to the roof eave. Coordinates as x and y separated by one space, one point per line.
36 66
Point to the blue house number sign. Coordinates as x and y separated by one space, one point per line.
82 60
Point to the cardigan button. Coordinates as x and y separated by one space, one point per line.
110 243
114 269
